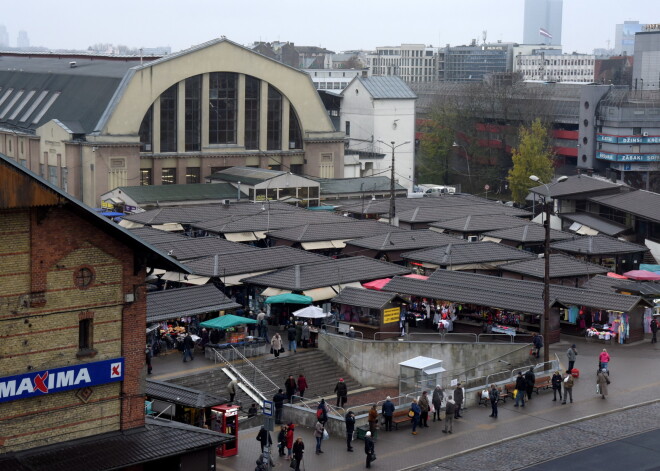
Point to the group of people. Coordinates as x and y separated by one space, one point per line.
297 333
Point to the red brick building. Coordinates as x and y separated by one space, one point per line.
72 312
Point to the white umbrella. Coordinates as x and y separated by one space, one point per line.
311 312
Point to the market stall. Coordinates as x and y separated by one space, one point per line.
179 403
232 329
370 311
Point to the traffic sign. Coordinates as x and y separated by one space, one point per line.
268 408
486 187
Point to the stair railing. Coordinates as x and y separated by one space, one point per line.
256 372
220 358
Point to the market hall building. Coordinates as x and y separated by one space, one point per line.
73 315
89 124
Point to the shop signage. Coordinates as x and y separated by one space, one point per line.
628 139
107 205
628 157
61 379
391 315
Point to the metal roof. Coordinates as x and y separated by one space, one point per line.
338 186
182 395
387 88
156 236
531 232
606 283
178 302
382 206
598 223
252 261
145 194
561 266
462 254
576 185
246 175
327 273
269 221
350 229
597 245
364 298
645 204
480 223
188 248
406 240
428 214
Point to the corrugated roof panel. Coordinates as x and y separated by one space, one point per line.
34 105
5 95
48 104
20 107
11 104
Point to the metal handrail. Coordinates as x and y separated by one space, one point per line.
325 326
254 367
304 402
243 379
511 337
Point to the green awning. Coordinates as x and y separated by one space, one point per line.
227 321
289 298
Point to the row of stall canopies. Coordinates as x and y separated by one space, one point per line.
638 275
381 283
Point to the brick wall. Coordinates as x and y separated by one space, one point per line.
42 300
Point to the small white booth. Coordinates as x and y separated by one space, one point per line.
419 374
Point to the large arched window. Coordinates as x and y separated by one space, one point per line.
295 134
193 113
168 115
252 97
274 123
223 98
146 131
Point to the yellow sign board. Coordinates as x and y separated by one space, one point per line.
391 315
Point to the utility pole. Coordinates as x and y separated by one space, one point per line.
392 146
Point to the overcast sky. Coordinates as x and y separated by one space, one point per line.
336 25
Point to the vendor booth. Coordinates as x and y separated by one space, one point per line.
370 311
179 403
419 374
229 331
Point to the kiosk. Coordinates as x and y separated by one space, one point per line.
225 420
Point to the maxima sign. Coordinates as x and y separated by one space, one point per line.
61 379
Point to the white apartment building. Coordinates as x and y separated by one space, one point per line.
411 62
556 67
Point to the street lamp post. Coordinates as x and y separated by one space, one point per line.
467 160
546 271
392 146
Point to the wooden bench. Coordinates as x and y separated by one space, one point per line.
540 384
400 417
504 394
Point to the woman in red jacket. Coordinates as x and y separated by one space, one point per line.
302 384
289 441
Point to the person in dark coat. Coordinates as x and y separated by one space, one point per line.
437 402
350 428
654 329
148 353
369 448
298 450
530 378
450 410
281 440
458 400
538 344
521 387
290 386
571 354
414 407
264 438
494 396
278 400
291 337
425 407
302 384
388 413
188 346
342 392
556 385
322 412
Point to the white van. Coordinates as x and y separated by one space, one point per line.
439 190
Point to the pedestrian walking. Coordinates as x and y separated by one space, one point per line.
188 346
149 355
530 379
276 345
603 360
278 400
262 325
556 385
290 388
318 434
252 410
450 410
416 412
521 387
302 384
342 392
537 341
602 381
458 400
349 419
494 396
568 387
571 354
231 389
388 412
369 449
425 407
289 440
372 419
654 329
306 335
281 441
298 451
436 400
291 337
264 438
322 412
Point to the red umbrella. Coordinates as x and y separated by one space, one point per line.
642 275
617 276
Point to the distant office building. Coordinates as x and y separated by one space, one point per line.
4 37
556 67
542 22
23 40
646 66
472 63
624 37
414 63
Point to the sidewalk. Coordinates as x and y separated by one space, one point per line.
633 381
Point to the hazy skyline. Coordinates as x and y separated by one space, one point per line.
366 24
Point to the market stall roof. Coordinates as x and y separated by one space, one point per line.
594 222
172 303
227 321
156 237
122 449
429 214
606 283
289 298
528 233
597 245
197 247
325 273
364 298
382 205
406 240
577 185
160 194
182 395
351 229
515 288
642 275
470 253
641 203
251 261
310 312
560 266
479 223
